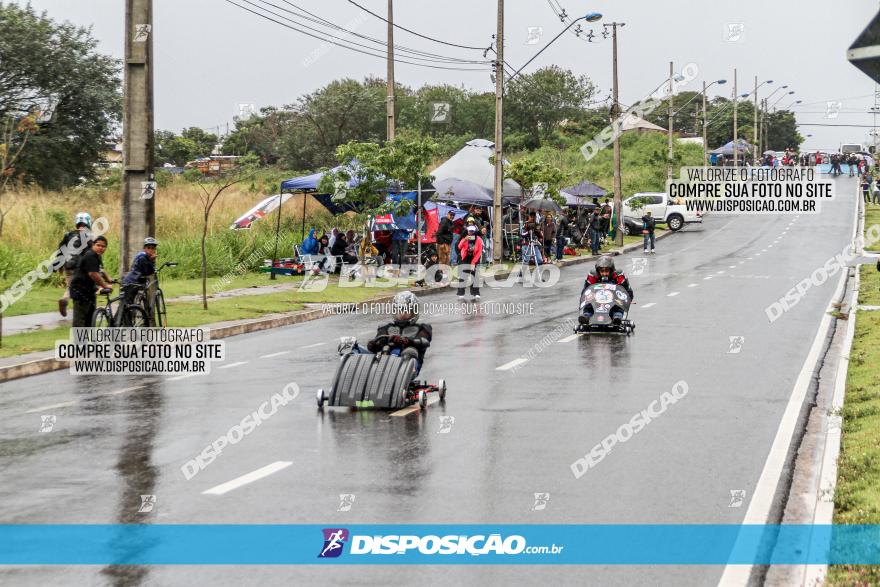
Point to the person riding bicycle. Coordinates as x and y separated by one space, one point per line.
404 335
606 273
75 240
142 266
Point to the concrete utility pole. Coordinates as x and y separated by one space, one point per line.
671 117
497 242
390 81
735 129
615 117
705 125
755 136
138 201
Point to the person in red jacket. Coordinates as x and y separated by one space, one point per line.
606 273
470 248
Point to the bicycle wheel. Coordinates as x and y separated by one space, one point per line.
135 317
101 318
159 309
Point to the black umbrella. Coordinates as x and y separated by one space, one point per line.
542 204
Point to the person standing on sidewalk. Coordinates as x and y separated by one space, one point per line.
399 244
89 277
596 224
561 235
457 230
550 229
648 225
444 237
866 186
72 241
470 248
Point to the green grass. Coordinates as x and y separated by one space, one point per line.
857 498
872 217
869 288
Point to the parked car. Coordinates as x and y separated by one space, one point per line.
674 214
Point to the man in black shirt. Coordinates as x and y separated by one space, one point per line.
88 277
444 237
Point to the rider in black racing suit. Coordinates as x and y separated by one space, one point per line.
606 273
404 335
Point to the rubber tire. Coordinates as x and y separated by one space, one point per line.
405 373
331 399
441 389
159 309
320 397
101 318
627 230
135 317
423 400
381 390
355 379
675 222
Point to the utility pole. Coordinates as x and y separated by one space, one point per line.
735 129
755 136
705 125
138 201
671 116
497 242
615 121
390 81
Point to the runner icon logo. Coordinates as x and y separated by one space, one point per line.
334 540
346 501
147 504
639 265
541 500
446 423
47 423
736 344
737 497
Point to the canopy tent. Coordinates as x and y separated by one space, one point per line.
261 210
741 147
582 194
461 190
472 164
309 183
396 221
434 212
631 122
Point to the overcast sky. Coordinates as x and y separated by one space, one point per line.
212 56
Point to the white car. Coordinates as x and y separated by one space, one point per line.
665 211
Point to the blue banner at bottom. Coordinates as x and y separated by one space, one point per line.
248 544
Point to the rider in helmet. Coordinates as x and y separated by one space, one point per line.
606 273
404 335
72 241
143 265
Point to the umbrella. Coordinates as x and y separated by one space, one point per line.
769 152
542 204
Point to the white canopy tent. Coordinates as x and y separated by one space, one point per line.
472 164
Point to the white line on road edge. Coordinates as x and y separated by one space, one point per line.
53 406
231 365
672 295
311 346
179 377
762 498
568 338
126 390
275 355
511 364
824 508
648 305
414 408
248 478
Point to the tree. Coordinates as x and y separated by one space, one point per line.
398 165
782 131
178 150
260 134
57 66
470 114
13 140
536 177
537 103
212 188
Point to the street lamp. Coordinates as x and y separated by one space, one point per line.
792 104
720 82
780 98
591 17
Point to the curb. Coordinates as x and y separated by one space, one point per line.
47 362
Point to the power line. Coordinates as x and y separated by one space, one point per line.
312 17
412 32
340 44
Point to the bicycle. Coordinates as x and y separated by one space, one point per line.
126 315
154 306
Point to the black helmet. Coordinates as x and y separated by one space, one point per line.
605 262
406 307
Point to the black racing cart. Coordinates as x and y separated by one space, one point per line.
379 381
598 302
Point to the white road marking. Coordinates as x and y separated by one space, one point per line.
692 285
247 478
127 389
707 278
231 365
414 408
569 338
187 376
52 407
741 262
511 364
672 295
311 346
732 267
275 355
650 304
720 272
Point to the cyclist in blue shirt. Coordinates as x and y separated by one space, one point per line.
143 265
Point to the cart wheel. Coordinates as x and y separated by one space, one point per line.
423 399
320 397
441 388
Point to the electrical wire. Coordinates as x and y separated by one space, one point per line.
344 46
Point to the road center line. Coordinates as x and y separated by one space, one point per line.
311 346
692 285
511 364
568 338
127 389
231 365
648 305
274 355
248 478
672 294
414 408
53 406
180 377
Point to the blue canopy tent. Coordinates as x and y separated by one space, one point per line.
742 147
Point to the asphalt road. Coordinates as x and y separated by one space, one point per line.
516 431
